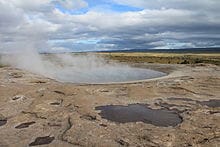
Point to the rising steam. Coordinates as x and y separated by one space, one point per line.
78 68
25 31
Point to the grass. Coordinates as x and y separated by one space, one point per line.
1 65
164 58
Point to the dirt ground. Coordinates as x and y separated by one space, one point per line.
164 58
35 110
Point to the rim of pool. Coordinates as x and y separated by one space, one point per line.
135 79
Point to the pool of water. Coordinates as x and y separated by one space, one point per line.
80 68
109 74
139 113
210 103
90 69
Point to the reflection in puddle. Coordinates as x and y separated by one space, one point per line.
24 125
139 113
3 122
211 103
42 141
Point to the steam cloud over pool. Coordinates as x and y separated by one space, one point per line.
80 68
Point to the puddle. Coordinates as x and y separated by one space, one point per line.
139 113
211 103
3 122
55 103
42 141
24 125
180 99
214 103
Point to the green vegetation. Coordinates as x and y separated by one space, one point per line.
1 65
164 58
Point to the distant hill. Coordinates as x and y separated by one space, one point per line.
186 50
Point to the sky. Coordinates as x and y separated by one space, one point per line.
94 25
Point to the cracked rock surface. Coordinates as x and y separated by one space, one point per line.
35 110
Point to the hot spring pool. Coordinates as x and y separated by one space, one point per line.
108 74
81 69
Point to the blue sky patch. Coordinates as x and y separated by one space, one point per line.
102 5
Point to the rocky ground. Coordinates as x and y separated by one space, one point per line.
35 110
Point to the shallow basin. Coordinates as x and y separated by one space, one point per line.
140 113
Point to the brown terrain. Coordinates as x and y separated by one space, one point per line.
180 109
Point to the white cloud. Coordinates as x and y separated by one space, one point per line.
175 4
38 22
73 4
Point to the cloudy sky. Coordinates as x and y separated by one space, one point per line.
91 25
